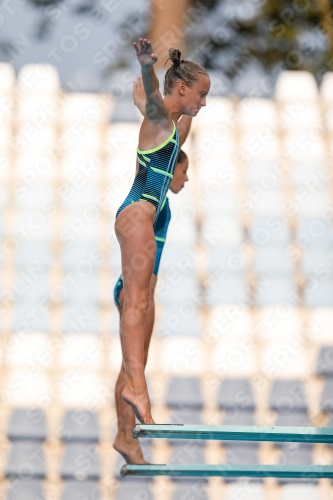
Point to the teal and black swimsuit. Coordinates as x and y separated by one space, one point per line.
156 168
160 231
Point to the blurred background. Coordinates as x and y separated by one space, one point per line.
244 301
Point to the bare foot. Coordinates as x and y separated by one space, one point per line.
130 450
140 404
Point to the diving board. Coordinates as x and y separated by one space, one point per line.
227 470
233 433
236 433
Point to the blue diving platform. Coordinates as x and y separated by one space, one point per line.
236 433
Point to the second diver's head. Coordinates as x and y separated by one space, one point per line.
188 82
180 173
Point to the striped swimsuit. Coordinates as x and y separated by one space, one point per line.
156 167
160 232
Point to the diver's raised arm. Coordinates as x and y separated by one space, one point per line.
155 107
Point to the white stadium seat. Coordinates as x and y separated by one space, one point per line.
252 113
7 77
296 86
326 87
38 78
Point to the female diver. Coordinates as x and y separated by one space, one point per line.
124 443
186 86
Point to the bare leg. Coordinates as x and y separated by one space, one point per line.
124 443
134 230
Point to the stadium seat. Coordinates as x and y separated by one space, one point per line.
221 110
319 328
79 426
268 203
236 395
228 320
80 168
25 490
174 288
33 251
27 424
282 359
217 167
326 402
182 229
133 488
273 259
318 293
224 229
277 322
259 144
306 492
40 109
326 87
4 163
273 289
80 319
296 116
263 175
26 460
313 206
226 289
121 137
294 419
26 390
79 197
313 232
310 174
318 262
217 198
192 490
300 85
288 396
325 361
80 286
241 453
81 351
77 490
184 392
3 197
179 320
7 77
252 112
124 111
178 258
80 224
80 462
245 489
27 317
34 350
270 230
224 258
80 253
238 416
234 357
38 78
